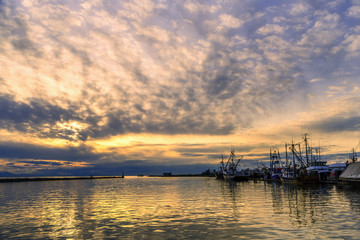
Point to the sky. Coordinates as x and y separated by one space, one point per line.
101 87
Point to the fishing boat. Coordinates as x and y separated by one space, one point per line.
274 172
317 170
335 170
290 172
228 176
305 169
289 175
315 174
228 170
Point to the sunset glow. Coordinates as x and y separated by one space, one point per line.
115 86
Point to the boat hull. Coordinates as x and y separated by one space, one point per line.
219 175
241 178
289 179
229 177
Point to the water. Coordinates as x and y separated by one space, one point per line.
176 208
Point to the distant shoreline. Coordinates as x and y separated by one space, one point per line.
176 175
29 179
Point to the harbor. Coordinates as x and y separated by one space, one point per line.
173 120
302 164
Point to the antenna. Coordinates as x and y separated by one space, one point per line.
357 146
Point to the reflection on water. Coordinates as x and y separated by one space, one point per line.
176 208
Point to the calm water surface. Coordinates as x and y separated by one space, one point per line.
176 208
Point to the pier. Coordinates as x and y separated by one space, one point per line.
30 179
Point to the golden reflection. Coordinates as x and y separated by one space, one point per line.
173 208
95 208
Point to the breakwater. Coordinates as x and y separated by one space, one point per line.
28 179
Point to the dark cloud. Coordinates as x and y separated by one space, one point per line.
336 124
192 155
15 29
40 117
7 174
227 83
218 151
36 112
83 55
30 151
49 163
188 126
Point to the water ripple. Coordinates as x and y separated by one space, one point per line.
176 208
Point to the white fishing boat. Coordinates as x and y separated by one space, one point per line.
288 174
228 176
305 169
335 170
274 172
228 170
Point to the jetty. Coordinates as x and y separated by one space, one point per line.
31 179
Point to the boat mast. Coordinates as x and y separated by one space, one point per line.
222 167
306 148
286 155
241 157
293 158
279 158
353 157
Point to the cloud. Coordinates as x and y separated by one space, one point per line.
352 45
228 21
50 163
31 159
47 120
195 7
299 8
270 29
11 150
39 117
155 77
314 80
84 72
354 12
337 124
325 30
